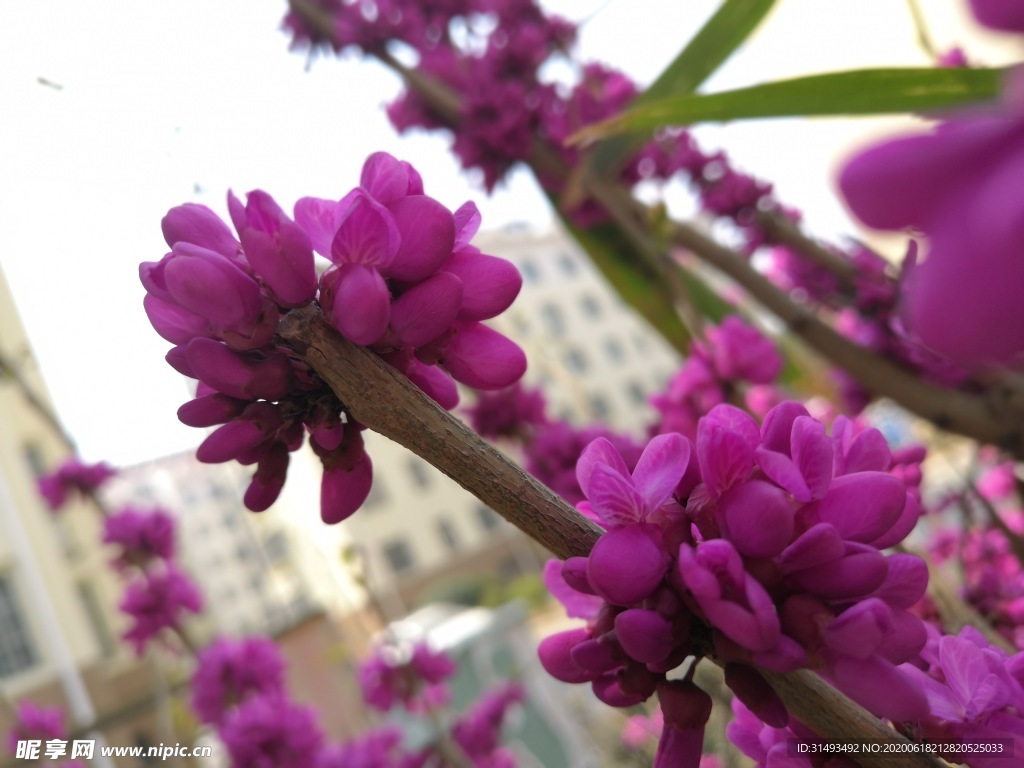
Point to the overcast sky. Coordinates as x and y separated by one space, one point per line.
115 111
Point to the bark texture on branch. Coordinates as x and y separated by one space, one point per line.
387 402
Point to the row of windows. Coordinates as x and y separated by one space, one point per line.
553 315
398 553
16 652
567 265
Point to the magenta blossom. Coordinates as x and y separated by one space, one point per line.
405 282
142 535
413 678
955 185
478 731
379 748
270 731
616 497
35 722
768 535
73 478
229 672
158 600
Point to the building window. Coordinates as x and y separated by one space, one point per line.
35 459
554 320
590 306
448 534
489 520
16 652
378 495
529 271
275 546
567 263
575 360
599 407
398 555
613 349
636 393
418 470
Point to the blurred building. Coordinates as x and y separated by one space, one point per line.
58 618
596 359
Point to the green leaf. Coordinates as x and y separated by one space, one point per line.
708 50
609 251
613 254
858 92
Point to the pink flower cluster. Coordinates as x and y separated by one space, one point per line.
410 677
975 693
993 581
238 687
770 537
160 593
73 478
956 184
229 672
271 730
379 748
141 535
733 354
404 281
478 731
158 600
35 723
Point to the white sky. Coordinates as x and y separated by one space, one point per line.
168 101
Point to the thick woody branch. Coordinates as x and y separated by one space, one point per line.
377 395
993 417
387 402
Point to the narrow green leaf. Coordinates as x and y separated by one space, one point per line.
733 23
609 251
858 92
710 47
613 254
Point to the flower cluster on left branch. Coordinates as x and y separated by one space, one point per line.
403 281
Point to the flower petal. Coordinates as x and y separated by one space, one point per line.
660 468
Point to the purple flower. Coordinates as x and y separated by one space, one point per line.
734 353
229 672
1005 15
478 731
374 749
733 601
35 722
954 184
270 731
555 448
142 535
157 601
510 412
73 477
411 677
974 692
686 710
617 497
405 280
278 250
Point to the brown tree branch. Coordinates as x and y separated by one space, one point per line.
387 402
996 416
